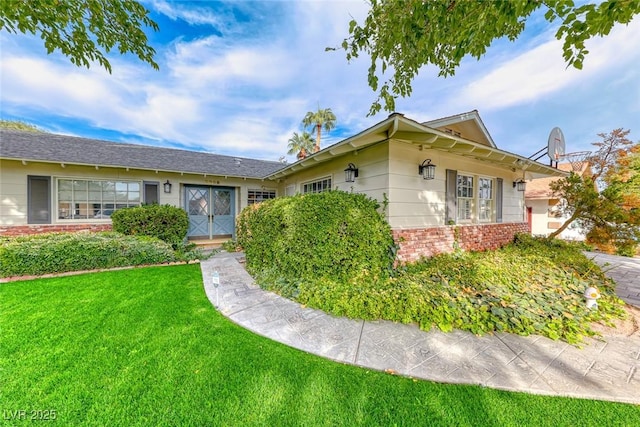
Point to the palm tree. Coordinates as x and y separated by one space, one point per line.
323 118
301 144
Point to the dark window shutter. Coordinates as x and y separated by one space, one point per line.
38 199
450 196
499 185
151 192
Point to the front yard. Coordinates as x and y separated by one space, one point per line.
145 347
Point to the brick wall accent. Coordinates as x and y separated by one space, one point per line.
427 242
23 230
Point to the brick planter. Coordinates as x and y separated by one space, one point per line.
24 230
427 242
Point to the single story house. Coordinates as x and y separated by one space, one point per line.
443 182
543 208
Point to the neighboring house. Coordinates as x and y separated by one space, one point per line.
543 211
56 183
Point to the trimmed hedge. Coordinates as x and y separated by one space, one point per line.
333 235
62 252
165 222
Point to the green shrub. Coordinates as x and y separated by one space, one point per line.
628 249
332 235
231 246
165 222
62 252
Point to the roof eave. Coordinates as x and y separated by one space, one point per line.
398 127
138 168
373 135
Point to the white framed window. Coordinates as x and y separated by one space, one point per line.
257 196
465 194
472 198
95 199
485 199
318 186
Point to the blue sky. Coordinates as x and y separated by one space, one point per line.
236 78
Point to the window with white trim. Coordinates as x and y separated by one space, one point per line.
465 204
318 186
257 196
465 194
485 199
95 199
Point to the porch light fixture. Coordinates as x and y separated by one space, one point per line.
167 187
351 173
427 169
520 185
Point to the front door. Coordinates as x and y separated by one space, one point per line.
211 211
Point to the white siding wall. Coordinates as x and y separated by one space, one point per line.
13 193
540 220
392 170
539 217
13 186
415 202
372 173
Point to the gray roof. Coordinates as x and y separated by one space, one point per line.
48 147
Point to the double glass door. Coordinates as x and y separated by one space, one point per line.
211 211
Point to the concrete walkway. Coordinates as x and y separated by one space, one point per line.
607 369
625 271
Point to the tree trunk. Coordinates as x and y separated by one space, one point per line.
564 226
316 147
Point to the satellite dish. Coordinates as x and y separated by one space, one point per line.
556 147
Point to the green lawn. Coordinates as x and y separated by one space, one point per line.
145 347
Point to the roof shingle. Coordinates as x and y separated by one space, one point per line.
47 147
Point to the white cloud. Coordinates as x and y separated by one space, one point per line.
193 14
213 61
246 95
67 89
542 71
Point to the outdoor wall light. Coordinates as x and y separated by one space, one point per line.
520 185
351 173
427 169
167 187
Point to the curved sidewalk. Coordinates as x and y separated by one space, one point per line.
606 370
625 271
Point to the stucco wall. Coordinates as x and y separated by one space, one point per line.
13 187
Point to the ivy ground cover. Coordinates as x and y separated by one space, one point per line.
533 286
145 347
334 251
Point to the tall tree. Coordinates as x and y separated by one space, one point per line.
321 119
404 35
83 30
601 200
300 144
